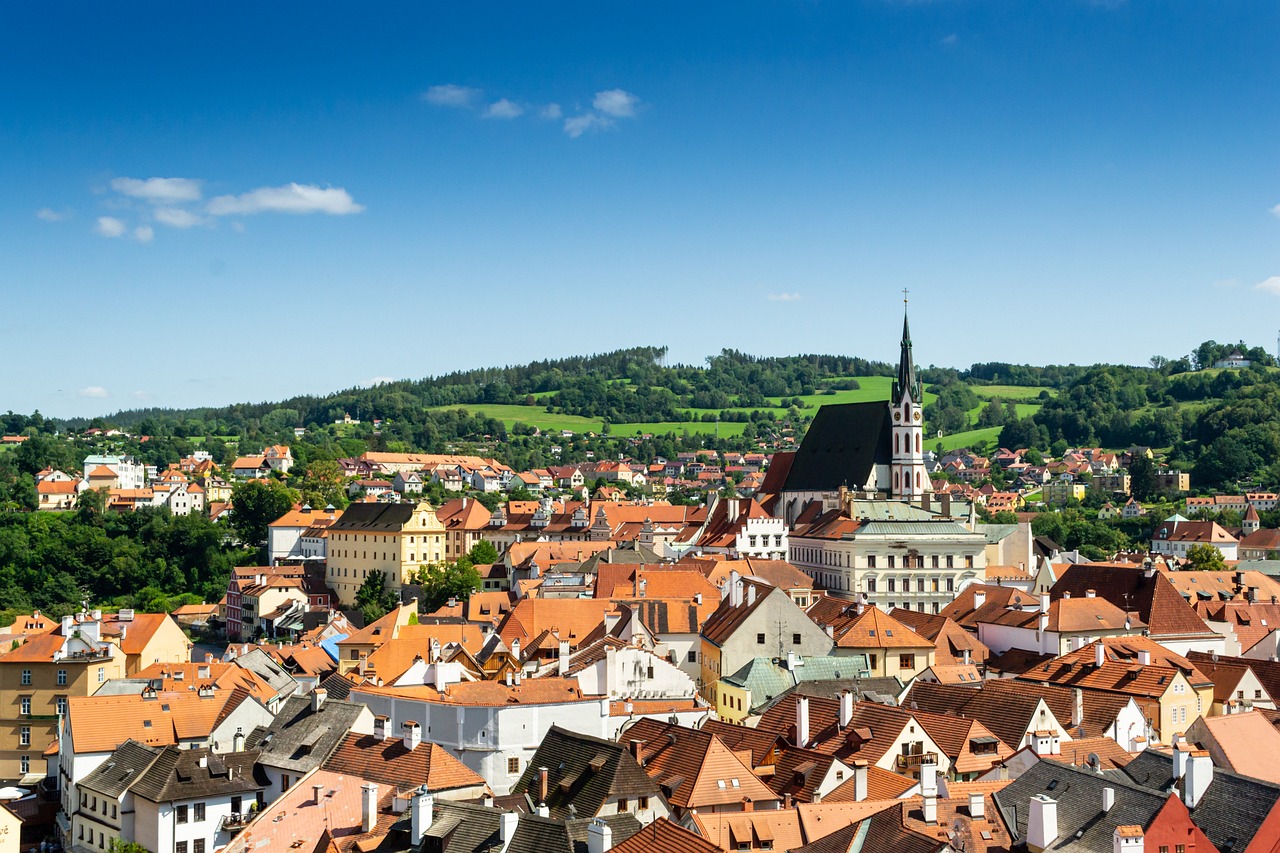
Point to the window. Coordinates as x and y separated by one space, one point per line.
951 582
1164 848
62 676
871 584
622 804
951 561
102 674
180 847
906 661
693 656
1179 848
113 811
871 561
25 704
795 639
642 803
24 735
933 561
199 812
237 805
891 561
919 584
25 763
26 676
61 705
513 766
760 639
182 814
871 661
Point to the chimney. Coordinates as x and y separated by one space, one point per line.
859 779
1199 776
1108 798
564 659
382 727
542 784
1127 839
507 827
1144 657
697 598
1077 707
317 698
237 740
751 594
930 807
731 507
802 721
977 806
368 806
204 761
1099 654
208 657
317 792
637 751
599 837
519 676
846 708
1044 602
1090 593
1042 823
508 678
421 814
412 735
929 776
979 598
515 649
734 587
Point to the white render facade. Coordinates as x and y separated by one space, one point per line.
919 565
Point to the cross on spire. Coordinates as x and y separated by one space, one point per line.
904 295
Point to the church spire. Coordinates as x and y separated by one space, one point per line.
906 382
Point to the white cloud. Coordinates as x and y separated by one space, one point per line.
290 198
451 95
159 190
504 109
618 103
141 395
1276 210
144 233
784 297
96 391
109 226
575 126
1270 285
950 39
177 217
550 112
48 214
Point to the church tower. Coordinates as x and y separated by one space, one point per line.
908 478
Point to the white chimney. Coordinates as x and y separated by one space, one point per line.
317 698
421 814
1042 823
599 837
237 741
1108 798
1144 657
859 779
412 735
1099 654
382 727
1127 839
1044 602
734 586
930 807
1181 752
1199 776
751 594
846 708
802 721
368 806
507 827
979 598
519 677
977 806
563 670
929 776
317 792
1077 707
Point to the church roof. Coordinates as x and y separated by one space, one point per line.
842 447
906 380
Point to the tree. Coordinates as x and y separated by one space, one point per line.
452 580
255 505
483 553
119 845
374 599
1205 558
1142 477
323 485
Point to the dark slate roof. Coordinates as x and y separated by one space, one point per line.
467 828
374 516
584 772
339 686
176 774
299 739
1082 825
264 666
842 447
1232 808
122 768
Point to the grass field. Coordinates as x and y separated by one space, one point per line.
1009 392
726 428
535 416
964 439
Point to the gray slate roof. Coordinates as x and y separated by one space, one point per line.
843 445
264 666
467 828
1082 825
122 768
300 739
584 772
176 775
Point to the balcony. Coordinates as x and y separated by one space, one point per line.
913 762
234 822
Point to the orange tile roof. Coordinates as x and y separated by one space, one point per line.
663 836
571 619
101 723
390 762
728 831
695 768
176 677
875 629
298 517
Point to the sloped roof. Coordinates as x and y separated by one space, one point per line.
300 739
390 762
842 446
694 768
663 836
584 772
1128 587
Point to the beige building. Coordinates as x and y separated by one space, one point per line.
37 678
394 539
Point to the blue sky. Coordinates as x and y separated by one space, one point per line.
347 194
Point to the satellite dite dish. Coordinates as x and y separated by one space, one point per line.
1214 657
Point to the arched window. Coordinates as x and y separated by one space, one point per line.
897 443
917 442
